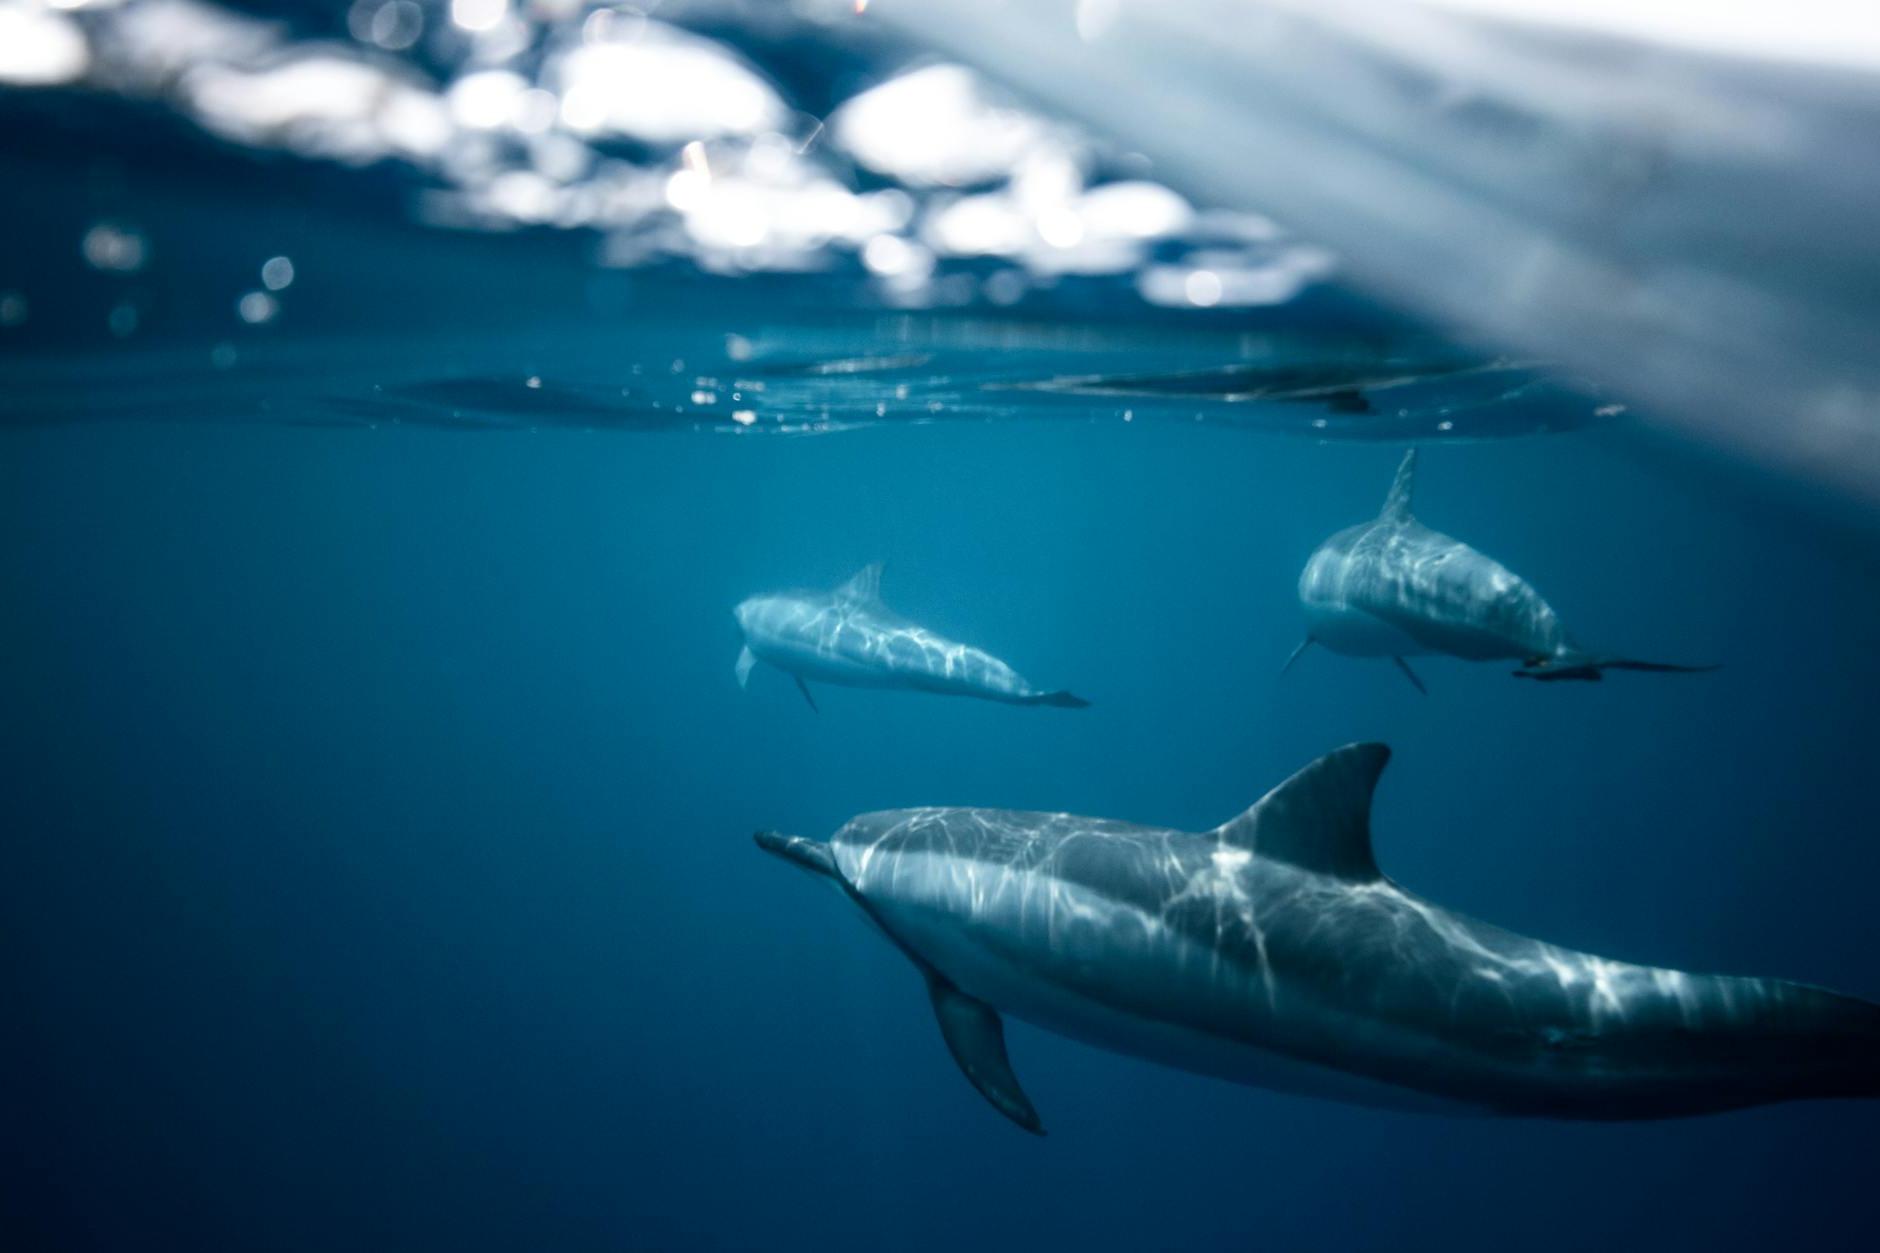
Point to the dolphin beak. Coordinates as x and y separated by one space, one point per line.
811 855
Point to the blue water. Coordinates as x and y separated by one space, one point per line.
378 868
375 861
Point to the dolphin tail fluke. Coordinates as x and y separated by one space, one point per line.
1592 669
1061 700
747 662
803 687
1411 675
975 1036
1294 655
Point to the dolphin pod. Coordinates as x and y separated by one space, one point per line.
1271 951
849 637
1392 587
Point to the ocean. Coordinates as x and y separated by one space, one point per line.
377 869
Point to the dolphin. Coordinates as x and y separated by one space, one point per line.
1391 587
1271 951
849 637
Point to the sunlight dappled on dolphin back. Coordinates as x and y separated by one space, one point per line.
849 638
1272 951
1395 588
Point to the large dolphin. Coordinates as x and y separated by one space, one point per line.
1271 951
1391 587
849 637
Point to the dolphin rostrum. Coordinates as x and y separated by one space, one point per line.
1272 952
849 637
1391 587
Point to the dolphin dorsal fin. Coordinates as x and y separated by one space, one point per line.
1402 490
1320 819
864 588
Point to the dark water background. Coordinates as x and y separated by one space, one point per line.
376 866
378 870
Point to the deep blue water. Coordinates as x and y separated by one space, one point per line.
378 868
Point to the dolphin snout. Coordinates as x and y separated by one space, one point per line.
811 855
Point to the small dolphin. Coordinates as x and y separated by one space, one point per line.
1271 951
849 637
1394 588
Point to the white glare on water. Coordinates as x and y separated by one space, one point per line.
322 104
662 85
514 123
891 256
937 126
257 307
39 49
118 249
277 273
1060 228
1203 288
488 100
686 189
478 15
396 26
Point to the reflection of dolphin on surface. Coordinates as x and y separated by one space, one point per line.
1391 587
1271 951
849 637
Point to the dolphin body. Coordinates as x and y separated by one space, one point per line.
1270 951
849 637
1391 587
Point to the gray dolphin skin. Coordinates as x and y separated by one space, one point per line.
1392 587
849 637
1271 951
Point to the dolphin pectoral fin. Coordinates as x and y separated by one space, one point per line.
747 662
976 1038
1294 655
803 687
1411 675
